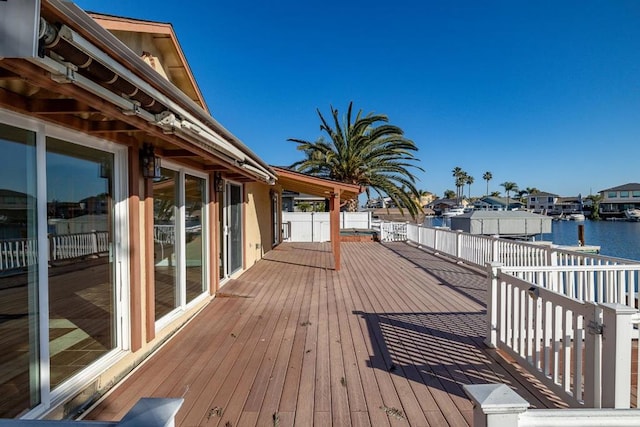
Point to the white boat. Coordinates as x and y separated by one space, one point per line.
454 211
632 214
577 216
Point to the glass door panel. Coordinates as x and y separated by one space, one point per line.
19 318
195 193
234 228
165 216
82 292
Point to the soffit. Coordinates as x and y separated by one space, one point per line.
302 183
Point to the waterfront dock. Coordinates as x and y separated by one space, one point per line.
388 340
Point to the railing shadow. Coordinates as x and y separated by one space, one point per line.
437 349
441 350
471 284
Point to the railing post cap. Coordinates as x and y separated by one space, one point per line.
618 308
495 398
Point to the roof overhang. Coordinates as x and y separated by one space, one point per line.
120 97
322 187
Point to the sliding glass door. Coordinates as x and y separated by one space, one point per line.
180 240
231 251
63 267
19 332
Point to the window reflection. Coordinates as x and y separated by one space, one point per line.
81 286
19 358
164 226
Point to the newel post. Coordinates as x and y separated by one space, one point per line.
420 235
459 244
616 347
491 339
495 247
495 405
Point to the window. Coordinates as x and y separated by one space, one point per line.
636 194
549 199
612 194
533 199
624 194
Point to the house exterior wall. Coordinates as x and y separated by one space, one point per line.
258 222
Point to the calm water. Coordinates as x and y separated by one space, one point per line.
615 238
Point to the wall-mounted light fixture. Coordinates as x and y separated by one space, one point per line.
149 163
218 182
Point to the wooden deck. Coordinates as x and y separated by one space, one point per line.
388 340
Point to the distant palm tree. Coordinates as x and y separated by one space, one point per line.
460 178
487 176
367 151
522 194
469 181
495 194
449 194
532 190
508 187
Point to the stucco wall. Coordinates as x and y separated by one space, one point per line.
258 225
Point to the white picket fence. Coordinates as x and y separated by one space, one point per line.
16 254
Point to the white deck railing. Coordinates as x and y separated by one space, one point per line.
480 250
557 312
577 347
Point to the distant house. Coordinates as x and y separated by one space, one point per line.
542 202
566 205
616 200
494 203
300 202
442 205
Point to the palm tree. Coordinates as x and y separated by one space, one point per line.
487 176
508 187
367 151
449 194
469 181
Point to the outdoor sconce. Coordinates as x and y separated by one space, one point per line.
218 182
149 163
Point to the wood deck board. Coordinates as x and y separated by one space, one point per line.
397 329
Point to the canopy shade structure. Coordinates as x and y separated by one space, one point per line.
335 191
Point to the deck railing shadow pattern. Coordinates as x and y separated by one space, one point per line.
471 284
441 350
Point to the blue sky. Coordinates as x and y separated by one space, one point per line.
545 94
